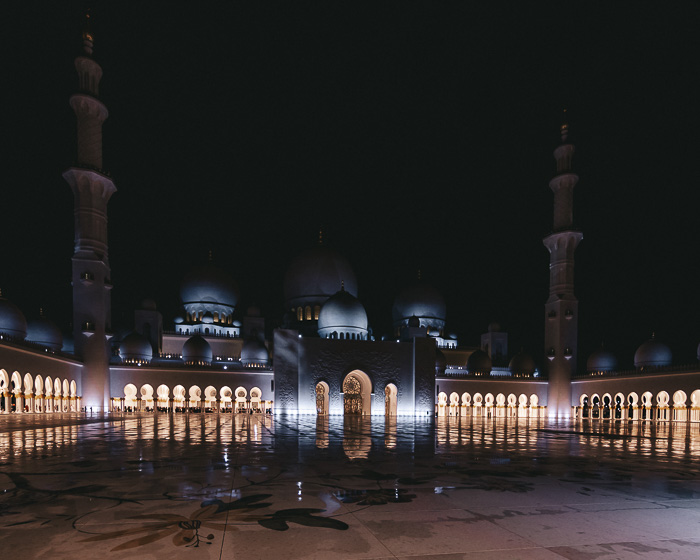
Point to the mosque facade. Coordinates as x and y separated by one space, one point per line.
325 359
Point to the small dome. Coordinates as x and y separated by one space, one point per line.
432 331
254 353
148 304
601 360
479 362
522 365
423 301
197 351
440 362
179 320
414 322
315 275
236 323
342 313
208 285
208 318
135 349
12 321
43 331
652 354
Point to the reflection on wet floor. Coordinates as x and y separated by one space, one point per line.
358 437
182 472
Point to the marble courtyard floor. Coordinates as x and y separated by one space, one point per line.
257 487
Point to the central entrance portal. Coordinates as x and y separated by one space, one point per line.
352 390
357 393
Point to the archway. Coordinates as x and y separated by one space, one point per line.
680 408
195 397
130 401
322 398
179 398
147 396
256 399
442 403
163 393
357 393
209 398
226 403
48 392
390 399
39 404
4 391
241 399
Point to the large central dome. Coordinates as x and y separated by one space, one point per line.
208 286
423 301
315 275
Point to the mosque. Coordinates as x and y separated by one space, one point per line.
324 359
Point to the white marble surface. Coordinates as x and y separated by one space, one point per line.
257 487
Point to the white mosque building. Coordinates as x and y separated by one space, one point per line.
324 359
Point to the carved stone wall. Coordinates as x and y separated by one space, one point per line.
286 367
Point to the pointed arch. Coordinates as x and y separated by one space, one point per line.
391 394
322 398
357 393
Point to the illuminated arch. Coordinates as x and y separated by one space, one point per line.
130 399
210 397
322 392
28 383
255 399
16 382
179 396
226 400
391 394
357 393
195 394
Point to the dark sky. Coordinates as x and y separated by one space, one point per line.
419 135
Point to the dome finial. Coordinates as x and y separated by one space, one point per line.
419 274
342 285
88 39
320 235
564 128
211 257
41 312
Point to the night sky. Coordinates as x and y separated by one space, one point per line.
418 135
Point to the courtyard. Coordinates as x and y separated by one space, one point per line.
254 486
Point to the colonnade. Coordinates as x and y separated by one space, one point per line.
490 406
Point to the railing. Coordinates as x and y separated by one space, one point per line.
640 372
212 335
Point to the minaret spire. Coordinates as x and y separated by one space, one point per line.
87 34
561 308
92 188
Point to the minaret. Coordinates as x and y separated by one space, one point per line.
561 309
92 188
